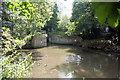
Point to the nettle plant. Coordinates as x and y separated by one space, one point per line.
13 64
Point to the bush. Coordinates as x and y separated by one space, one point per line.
16 64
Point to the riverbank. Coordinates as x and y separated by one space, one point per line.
96 44
99 44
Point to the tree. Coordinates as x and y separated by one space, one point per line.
16 64
42 14
83 17
12 10
53 23
63 23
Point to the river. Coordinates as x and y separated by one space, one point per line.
66 61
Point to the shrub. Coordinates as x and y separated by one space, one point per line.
13 64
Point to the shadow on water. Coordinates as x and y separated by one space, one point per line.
89 63
36 56
67 61
60 46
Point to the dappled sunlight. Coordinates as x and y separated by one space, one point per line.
59 39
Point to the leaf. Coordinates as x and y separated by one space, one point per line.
22 14
118 10
103 11
95 5
14 9
8 5
113 20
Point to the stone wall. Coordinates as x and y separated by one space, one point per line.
39 41
64 39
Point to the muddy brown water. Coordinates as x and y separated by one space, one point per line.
62 61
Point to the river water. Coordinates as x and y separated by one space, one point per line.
64 61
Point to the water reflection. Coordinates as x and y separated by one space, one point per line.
74 58
90 64
59 61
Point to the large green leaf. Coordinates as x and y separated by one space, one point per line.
107 11
118 10
113 19
103 11
95 5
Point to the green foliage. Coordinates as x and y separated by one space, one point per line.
52 24
42 13
82 17
71 29
8 39
13 64
24 8
24 27
63 23
27 19
107 11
